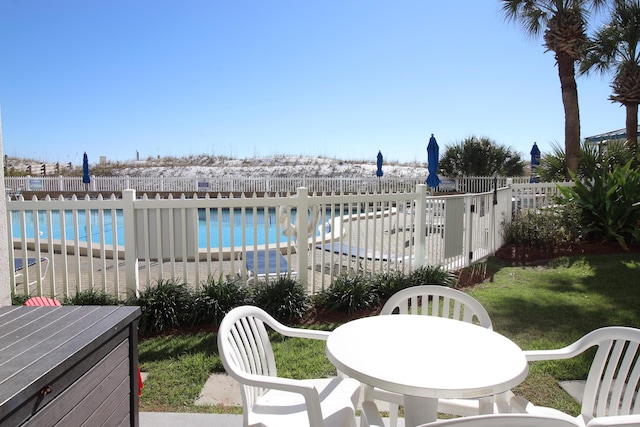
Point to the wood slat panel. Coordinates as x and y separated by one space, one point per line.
109 407
55 346
75 404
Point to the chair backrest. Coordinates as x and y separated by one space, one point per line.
614 376
507 420
245 349
439 301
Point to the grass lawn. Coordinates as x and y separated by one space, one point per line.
538 307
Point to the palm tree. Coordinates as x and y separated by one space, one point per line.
615 48
564 25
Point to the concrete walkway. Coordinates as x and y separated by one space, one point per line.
220 389
171 419
166 419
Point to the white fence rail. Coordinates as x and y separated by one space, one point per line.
190 185
533 196
119 245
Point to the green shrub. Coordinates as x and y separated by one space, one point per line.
349 294
606 204
216 298
544 228
284 298
432 275
164 306
385 284
553 165
92 297
18 299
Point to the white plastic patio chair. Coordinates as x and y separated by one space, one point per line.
269 400
610 393
370 417
439 301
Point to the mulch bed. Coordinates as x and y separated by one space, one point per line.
521 254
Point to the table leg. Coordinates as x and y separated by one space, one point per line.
419 410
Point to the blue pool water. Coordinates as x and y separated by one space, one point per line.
264 226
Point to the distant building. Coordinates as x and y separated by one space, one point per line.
604 138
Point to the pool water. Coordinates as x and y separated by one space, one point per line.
259 231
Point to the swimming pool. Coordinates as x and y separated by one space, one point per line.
262 229
258 230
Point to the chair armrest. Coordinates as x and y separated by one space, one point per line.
561 353
277 383
616 420
303 333
370 416
520 405
589 340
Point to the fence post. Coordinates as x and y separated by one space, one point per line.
420 226
470 212
130 233
302 238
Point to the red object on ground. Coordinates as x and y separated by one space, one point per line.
140 385
42 301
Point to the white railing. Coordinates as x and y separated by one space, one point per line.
249 185
535 195
119 245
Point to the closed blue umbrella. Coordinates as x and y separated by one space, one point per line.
379 171
86 179
535 162
433 156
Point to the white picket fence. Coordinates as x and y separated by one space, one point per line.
249 185
120 245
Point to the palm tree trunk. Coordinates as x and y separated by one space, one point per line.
632 129
566 70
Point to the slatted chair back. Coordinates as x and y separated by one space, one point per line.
614 377
439 301
249 350
269 400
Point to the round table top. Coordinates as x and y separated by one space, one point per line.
427 356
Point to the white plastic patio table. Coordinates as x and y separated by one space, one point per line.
426 358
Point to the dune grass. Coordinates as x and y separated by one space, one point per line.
538 307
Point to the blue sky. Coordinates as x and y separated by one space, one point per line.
245 78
